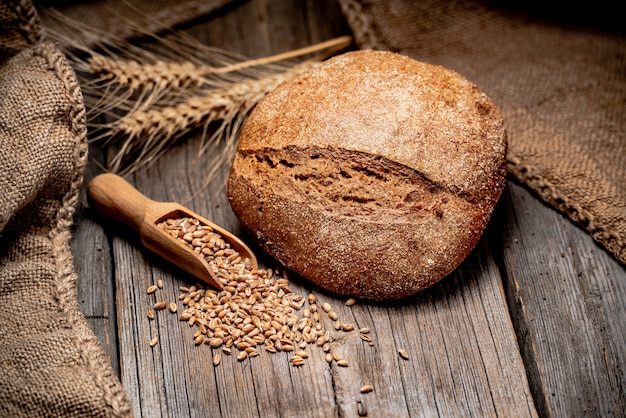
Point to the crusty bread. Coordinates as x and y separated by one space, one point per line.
372 175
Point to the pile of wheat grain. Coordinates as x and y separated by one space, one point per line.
256 311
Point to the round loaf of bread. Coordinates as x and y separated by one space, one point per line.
372 175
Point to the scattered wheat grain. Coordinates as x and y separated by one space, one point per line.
367 389
255 308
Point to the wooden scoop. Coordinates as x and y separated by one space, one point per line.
115 198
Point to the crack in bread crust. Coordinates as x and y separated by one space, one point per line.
347 182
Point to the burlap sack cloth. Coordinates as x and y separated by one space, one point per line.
51 364
559 79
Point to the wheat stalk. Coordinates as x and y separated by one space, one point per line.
163 74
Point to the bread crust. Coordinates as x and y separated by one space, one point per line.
372 175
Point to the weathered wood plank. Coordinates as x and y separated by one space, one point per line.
93 265
463 352
260 28
466 344
568 298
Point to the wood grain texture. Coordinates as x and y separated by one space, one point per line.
533 323
463 354
94 265
568 298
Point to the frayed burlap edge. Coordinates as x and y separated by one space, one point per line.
20 28
30 24
88 345
361 25
524 173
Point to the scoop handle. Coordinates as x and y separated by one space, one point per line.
115 198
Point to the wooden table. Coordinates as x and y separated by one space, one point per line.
533 323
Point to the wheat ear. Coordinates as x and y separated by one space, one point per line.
142 127
168 74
